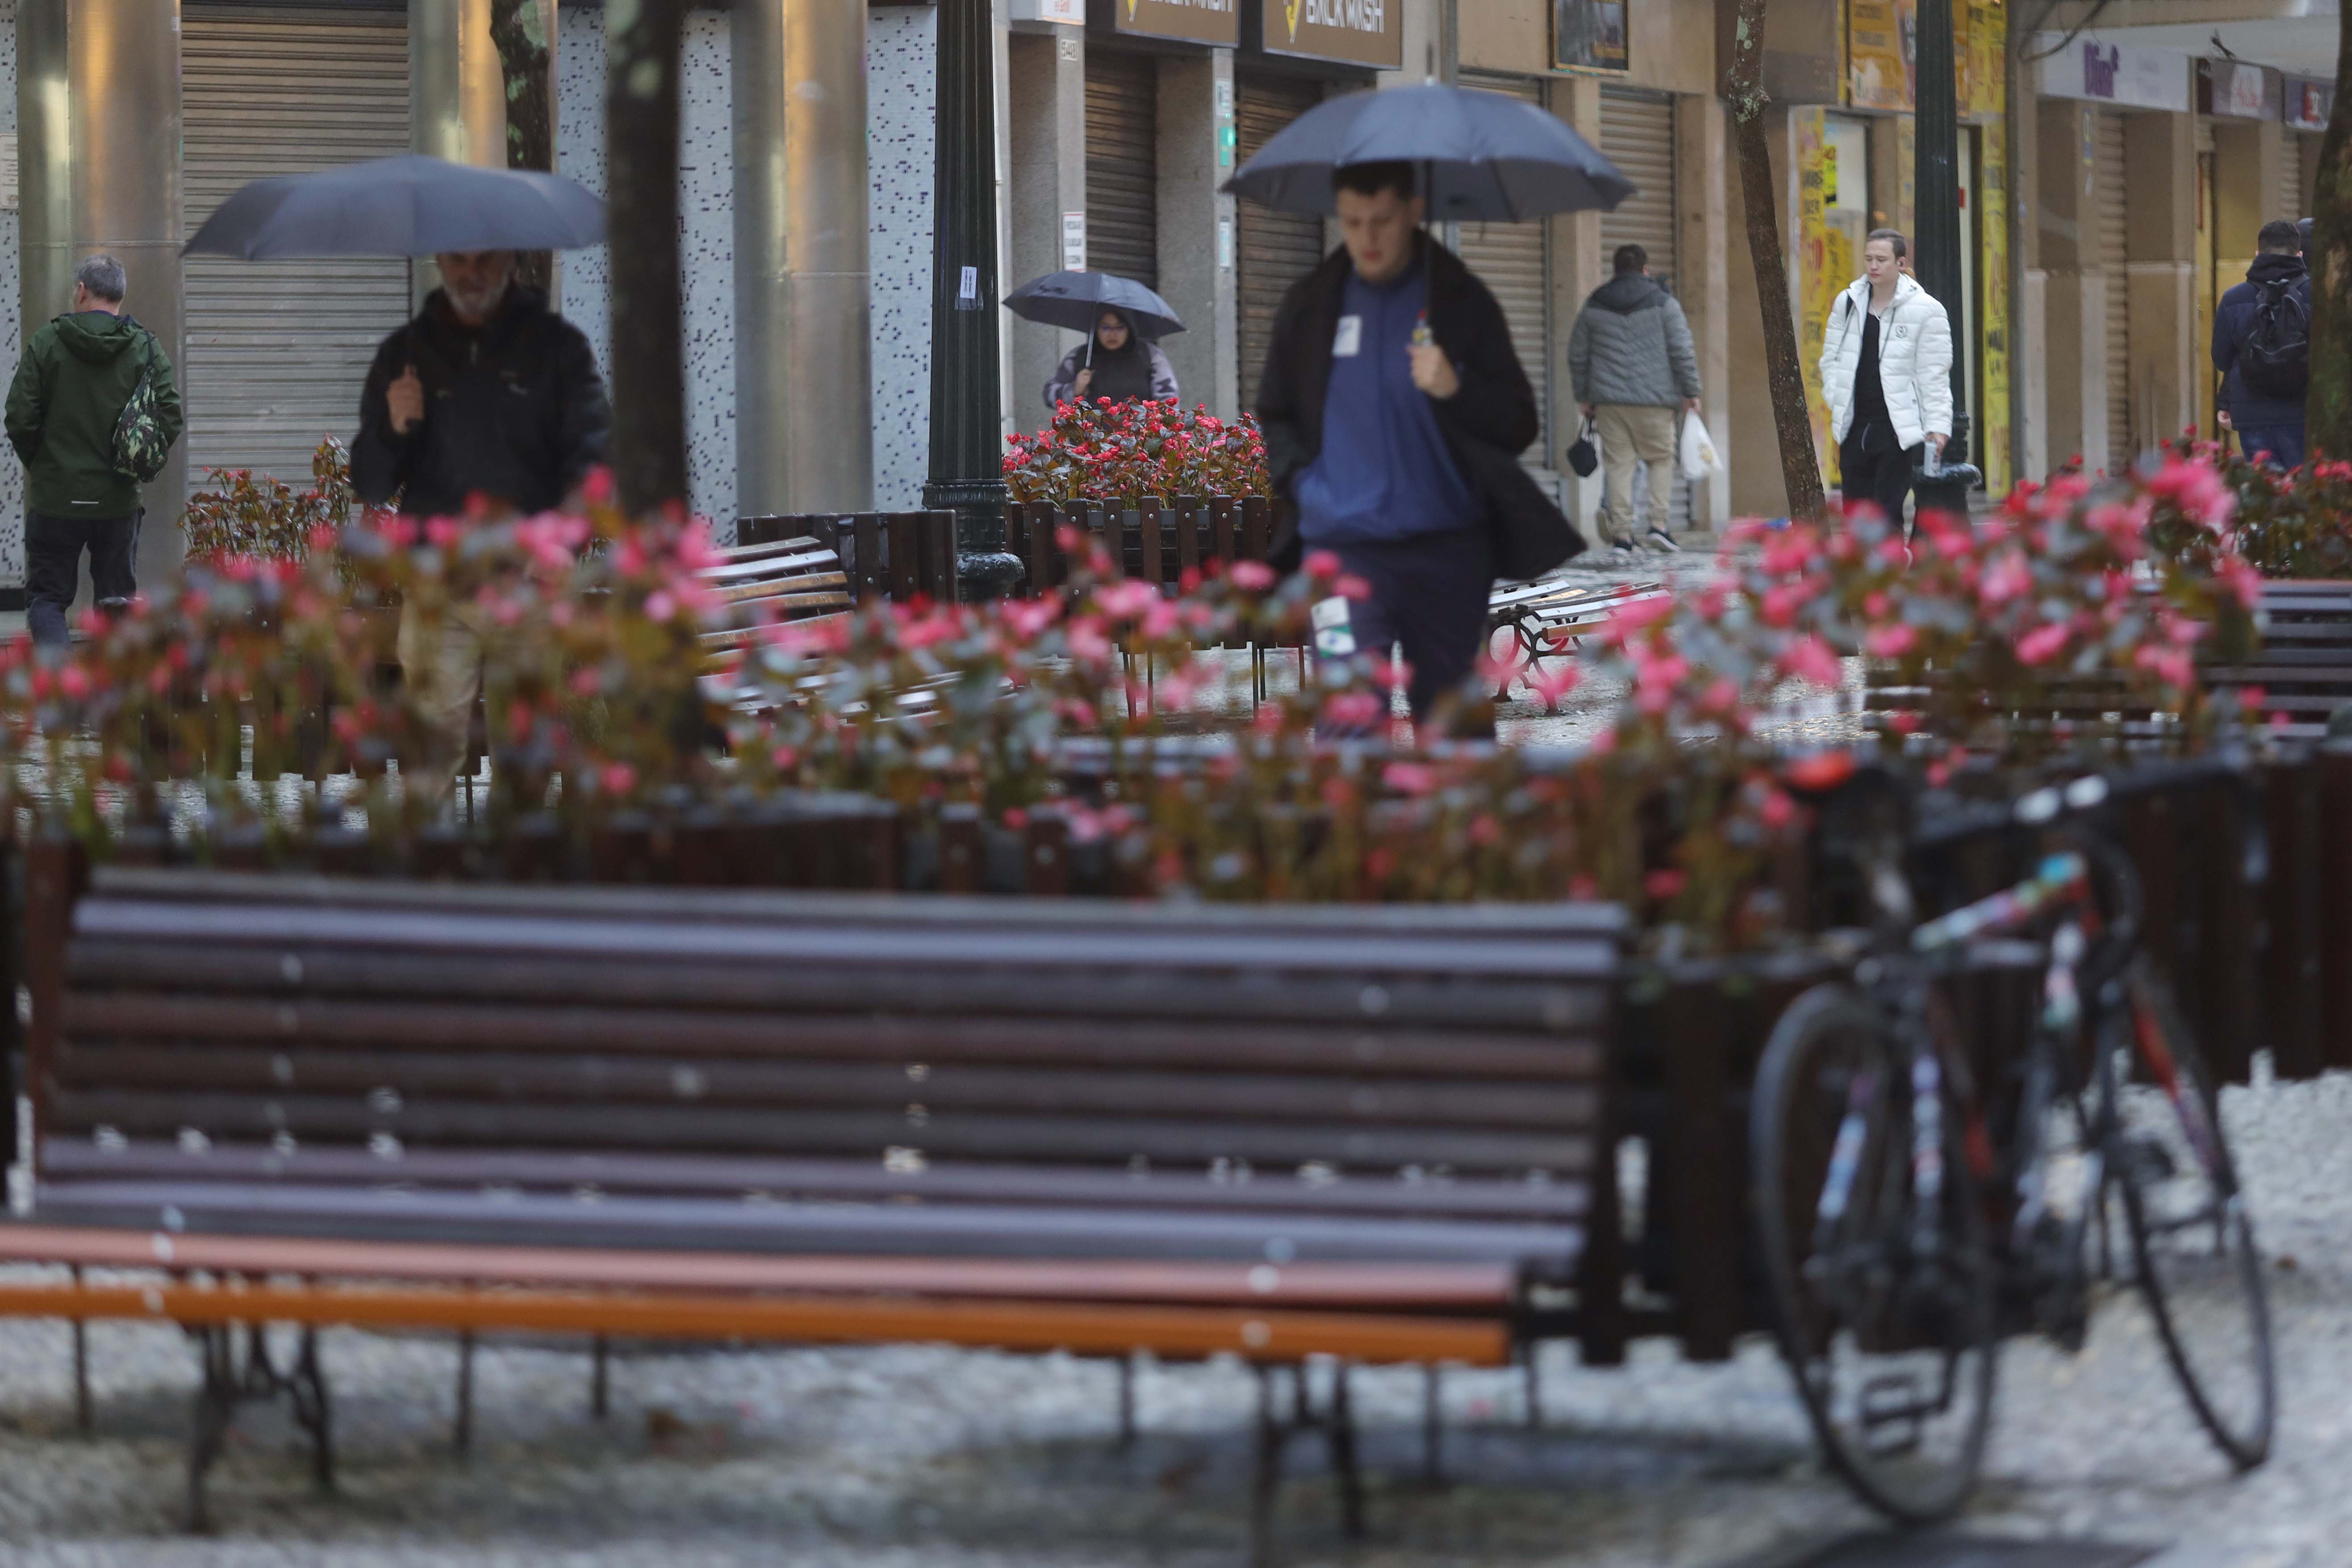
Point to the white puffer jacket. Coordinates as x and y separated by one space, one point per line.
1915 361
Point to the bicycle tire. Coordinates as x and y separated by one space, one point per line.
1788 1167
2195 1296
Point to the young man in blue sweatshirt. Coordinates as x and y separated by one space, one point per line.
1394 405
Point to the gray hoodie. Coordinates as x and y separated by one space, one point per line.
1633 345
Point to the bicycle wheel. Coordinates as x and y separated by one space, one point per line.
2192 1237
1883 1301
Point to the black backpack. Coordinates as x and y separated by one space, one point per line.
2275 359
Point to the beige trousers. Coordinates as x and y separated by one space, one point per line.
1630 434
441 666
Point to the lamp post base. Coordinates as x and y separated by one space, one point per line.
985 569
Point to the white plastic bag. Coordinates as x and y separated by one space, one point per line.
1700 456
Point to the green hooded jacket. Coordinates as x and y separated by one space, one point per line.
71 387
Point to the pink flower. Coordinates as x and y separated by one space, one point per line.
1809 658
2042 645
1664 884
1322 565
1891 642
1409 778
1252 576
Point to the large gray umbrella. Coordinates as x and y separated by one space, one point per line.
412 205
1077 300
1482 156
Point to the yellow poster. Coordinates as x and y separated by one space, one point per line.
1817 282
1992 220
1878 39
1964 63
1984 88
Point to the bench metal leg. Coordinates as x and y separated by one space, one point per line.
217 1394
80 1367
462 1437
306 1387
600 1379
1266 1476
1339 1432
1534 1387
1126 1402
1433 1431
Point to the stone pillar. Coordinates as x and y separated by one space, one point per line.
98 115
457 97
2073 353
1196 228
2160 251
2245 153
1577 267
802 306
1048 72
1702 243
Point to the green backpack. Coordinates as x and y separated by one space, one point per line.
140 448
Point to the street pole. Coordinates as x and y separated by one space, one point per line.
967 400
1937 246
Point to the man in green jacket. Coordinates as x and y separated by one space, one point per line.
76 375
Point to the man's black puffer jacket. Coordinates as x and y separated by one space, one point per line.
515 412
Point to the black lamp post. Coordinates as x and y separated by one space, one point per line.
1936 245
967 406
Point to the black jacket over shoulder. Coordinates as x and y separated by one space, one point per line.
515 412
1486 425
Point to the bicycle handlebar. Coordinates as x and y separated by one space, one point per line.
2044 806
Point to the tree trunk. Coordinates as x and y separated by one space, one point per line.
1800 470
519 30
2328 407
641 47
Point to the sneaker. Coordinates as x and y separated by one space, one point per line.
1659 540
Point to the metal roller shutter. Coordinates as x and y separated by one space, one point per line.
1515 261
2306 147
1123 165
2107 185
277 351
1637 134
1275 249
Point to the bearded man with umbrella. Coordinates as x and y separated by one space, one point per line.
486 394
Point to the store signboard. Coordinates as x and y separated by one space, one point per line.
1589 35
1193 21
2236 90
2307 102
1068 12
2122 74
1346 32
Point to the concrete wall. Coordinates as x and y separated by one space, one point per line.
899 91
1048 104
12 336
1196 228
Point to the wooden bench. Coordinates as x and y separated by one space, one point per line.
1374 1134
1551 616
2305 665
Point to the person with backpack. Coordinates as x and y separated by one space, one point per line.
2261 346
92 413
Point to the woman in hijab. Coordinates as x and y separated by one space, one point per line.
1122 367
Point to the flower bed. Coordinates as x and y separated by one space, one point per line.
1106 451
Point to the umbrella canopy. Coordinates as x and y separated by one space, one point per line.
1483 157
1077 300
412 205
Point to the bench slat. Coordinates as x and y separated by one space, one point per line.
1103 1329
490 1172
889 1228
675 1080
1571 1003
1008 1135
1573 1054
1392 1286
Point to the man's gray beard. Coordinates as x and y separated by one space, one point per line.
489 306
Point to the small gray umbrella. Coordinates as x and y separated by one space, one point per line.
1482 156
1077 300
410 205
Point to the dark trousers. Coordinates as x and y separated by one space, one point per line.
1873 469
1429 594
53 547
2283 442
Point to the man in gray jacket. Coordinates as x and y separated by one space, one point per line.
1633 363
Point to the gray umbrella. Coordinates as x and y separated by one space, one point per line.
1077 300
1483 157
412 205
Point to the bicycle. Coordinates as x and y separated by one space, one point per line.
1900 1244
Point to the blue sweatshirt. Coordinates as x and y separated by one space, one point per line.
1384 472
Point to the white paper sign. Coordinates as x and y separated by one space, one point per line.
969 289
1074 242
8 173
